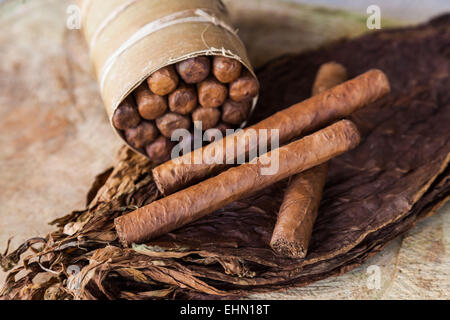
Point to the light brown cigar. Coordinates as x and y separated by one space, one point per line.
194 70
188 205
245 88
142 135
150 105
164 81
300 206
329 76
183 100
211 93
208 117
226 70
160 150
126 115
235 112
222 128
293 122
170 122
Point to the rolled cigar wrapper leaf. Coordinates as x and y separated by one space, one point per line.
179 209
300 207
293 122
130 40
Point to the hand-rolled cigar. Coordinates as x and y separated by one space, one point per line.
150 106
293 122
160 150
245 88
194 70
126 115
208 117
300 206
211 93
329 76
170 122
193 203
183 100
226 70
235 112
140 136
222 128
164 81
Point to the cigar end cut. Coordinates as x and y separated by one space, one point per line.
288 249
382 79
352 133
120 233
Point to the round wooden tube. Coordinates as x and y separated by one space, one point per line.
126 116
293 122
150 106
170 122
299 210
235 112
183 100
164 81
194 70
179 209
140 136
226 70
211 93
160 150
245 88
208 117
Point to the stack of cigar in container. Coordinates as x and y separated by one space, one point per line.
206 92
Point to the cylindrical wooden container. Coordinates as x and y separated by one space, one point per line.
131 40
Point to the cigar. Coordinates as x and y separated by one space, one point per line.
194 70
126 115
150 106
140 136
208 117
329 76
245 88
226 70
210 135
179 209
211 93
170 122
235 112
300 206
183 100
160 150
298 120
164 81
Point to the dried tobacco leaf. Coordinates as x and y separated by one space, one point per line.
398 175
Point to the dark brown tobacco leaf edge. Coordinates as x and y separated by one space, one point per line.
398 175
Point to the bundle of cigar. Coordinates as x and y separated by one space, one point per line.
205 92
306 158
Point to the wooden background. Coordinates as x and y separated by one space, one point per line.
55 136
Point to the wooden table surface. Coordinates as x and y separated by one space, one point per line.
55 136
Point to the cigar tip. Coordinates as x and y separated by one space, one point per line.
157 178
382 79
352 132
288 249
120 232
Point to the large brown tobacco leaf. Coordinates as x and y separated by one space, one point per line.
397 176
